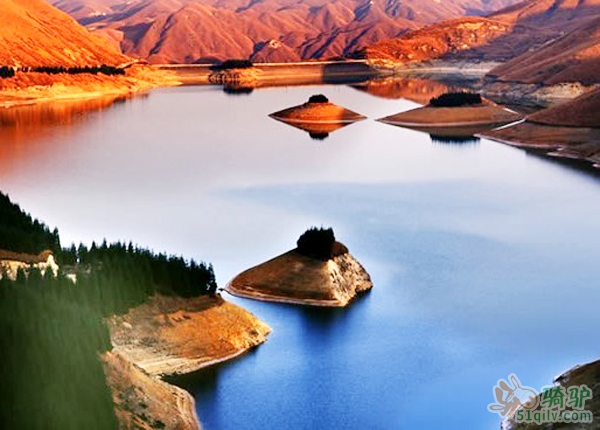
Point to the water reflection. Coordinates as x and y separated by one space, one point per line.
454 140
418 90
236 90
316 131
22 127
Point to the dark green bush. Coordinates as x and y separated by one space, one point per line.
456 100
317 243
93 70
6 72
318 98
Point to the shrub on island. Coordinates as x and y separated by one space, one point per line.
320 243
233 64
7 72
318 98
456 99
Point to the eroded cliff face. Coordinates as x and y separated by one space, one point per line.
348 278
172 335
145 402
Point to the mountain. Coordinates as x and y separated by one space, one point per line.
450 37
584 111
560 15
178 31
574 57
33 33
539 41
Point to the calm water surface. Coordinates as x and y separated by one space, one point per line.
484 258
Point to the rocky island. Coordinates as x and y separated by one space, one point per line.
318 116
319 272
318 109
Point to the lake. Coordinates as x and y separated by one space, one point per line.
484 258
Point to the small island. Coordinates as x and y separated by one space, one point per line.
319 272
234 73
455 109
318 109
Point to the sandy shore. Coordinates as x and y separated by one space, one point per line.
30 88
575 143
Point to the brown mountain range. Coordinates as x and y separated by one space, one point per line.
467 38
177 31
574 57
540 41
33 33
584 111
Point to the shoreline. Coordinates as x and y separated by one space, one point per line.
169 336
263 297
144 78
27 89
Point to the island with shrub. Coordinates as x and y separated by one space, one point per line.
320 271
455 109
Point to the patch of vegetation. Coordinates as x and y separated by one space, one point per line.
233 64
318 98
93 70
319 243
53 330
19 232
7 72
456 100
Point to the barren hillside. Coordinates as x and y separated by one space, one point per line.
268 30
33 33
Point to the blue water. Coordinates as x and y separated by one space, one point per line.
483 257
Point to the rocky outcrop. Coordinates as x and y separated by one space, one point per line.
535 95
12 262
145 402
172 335
587 374
298 279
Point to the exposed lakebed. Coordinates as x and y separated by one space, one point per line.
483 257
